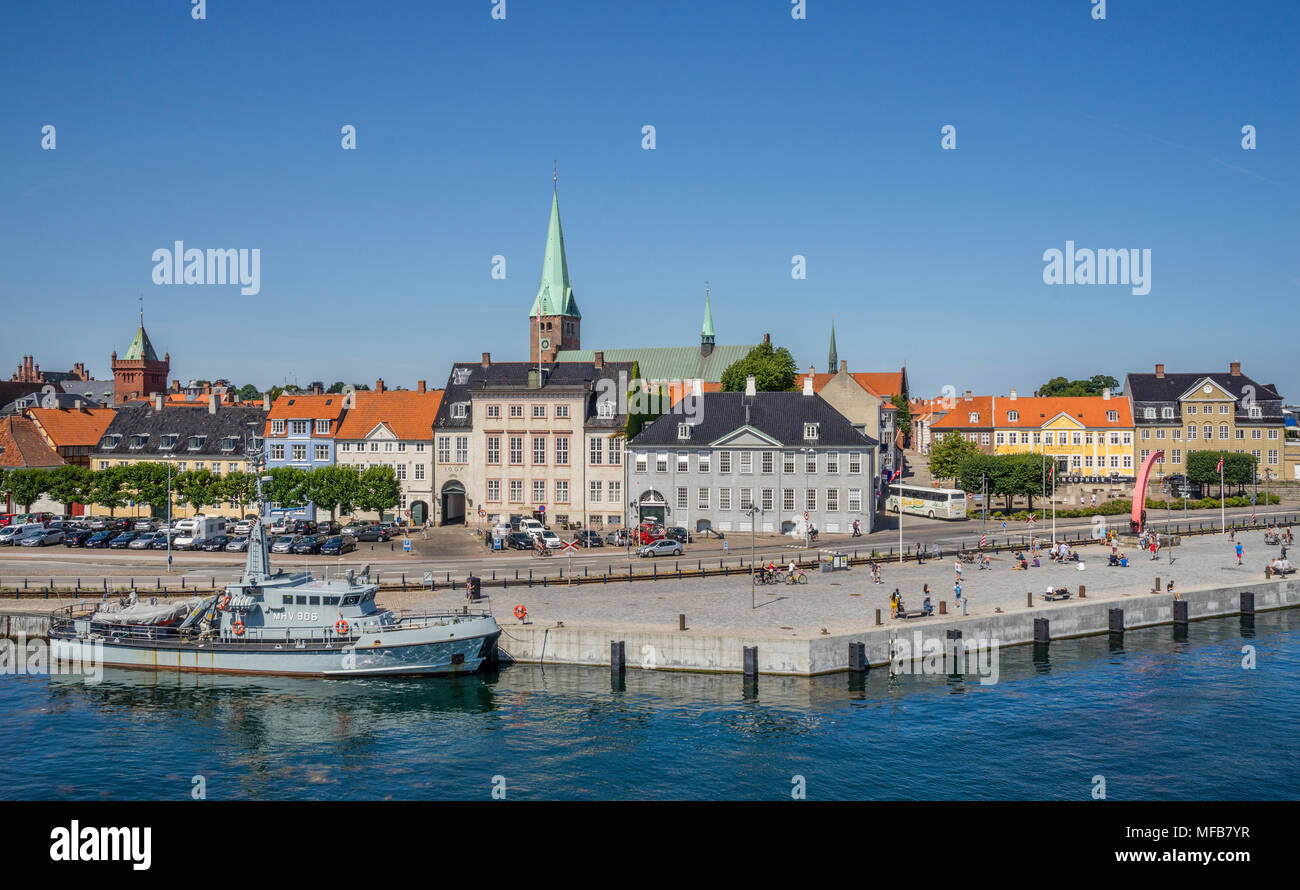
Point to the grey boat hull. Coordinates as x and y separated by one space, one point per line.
459 649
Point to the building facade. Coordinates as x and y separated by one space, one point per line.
300 431
788 455
393 428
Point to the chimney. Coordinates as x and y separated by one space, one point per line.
844 365
807 385
749 385
1234 368
1013 395
212 403
379 385
1105 393
697 387
157 401
968 395
419 386
77 404
599 360
1160 372
266 401
176 386
487 360
767 338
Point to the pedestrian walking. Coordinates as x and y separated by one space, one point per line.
958 598
1240 550
957 566
1094 500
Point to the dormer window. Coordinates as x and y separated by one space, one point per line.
1166 413
1112 416
229 443
460 376
108 443
1013 416
605 409
194 443
167 443
458 410
138 442
683 430
1255 411
322 426
277 427
1148 413
974 416
810 430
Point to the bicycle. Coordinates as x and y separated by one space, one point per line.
799 576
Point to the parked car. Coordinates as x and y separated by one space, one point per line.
309 544
143 542
99 540
302 527
521 541
372 533
338 545
330 527
237 544
214 543
284 543
353 528
678 534
242 527
77 538
123 540
661 547
144 525
278 527
43 538
19 531
589 538
618 537
551 540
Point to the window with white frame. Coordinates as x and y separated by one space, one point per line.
399 470
562 451
539 450
615 455
855 462
724 498
516 450
702 499
747 462
855 500
683 430
539 491
724 461
787 499
766 464
767 499
810 499
299 452
516 411
597 450
299 427
277 452
277 427
683 499
810 462
539 411
322 426
494 490
595 491
833 500
561 411
661 462
419 472
746 498
702 460
641 463
683 462
493 444
787 463
493 411
810 431
462 449
322 452
561 491
516 491
615 491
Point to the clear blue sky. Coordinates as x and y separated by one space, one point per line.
775 137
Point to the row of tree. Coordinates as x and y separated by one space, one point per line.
332 488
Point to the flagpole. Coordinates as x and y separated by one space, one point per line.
1222 520
1053 501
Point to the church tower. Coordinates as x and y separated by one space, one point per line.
139 374
554 322
833 357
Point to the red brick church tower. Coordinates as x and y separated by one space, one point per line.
139 374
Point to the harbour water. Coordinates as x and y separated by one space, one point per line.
1166 715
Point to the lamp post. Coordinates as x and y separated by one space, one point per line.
752 513
1169 493
807 528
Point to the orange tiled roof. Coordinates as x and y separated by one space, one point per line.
884 385
676 392
408 413
68 427
958 418
21 445
308 407
1034 411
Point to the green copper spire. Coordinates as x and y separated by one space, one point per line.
706 333
141 348
834 357
555 296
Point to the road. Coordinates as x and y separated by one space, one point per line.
464 556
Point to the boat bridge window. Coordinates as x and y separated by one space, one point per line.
288 599
331 601
313 601
351 600
367 597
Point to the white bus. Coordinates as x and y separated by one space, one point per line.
935 503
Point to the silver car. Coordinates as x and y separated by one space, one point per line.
284 543
43 539
662 547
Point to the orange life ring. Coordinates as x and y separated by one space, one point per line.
341 626
237 628
520 612
225 602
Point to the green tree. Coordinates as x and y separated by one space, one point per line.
947 454
379 489
287 488
644 403
902 419
238 488
147 481
198 488
109 488
334 488
1238 468
249 393
68 485
1060 386
26 485
774 370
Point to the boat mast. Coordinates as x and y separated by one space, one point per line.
257 566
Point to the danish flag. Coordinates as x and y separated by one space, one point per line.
1219 468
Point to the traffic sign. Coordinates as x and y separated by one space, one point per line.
541 508
805 514
406 544
570 547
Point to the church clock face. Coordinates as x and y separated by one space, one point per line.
546 342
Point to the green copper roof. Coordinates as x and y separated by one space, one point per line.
141 348
707 331
834 357
555 296
668 362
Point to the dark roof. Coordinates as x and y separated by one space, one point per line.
12 390
1150 391
470 379
183 422
780 415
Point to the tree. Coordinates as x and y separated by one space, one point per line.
238 488
379 489
287 488
644 403
1059 386
198 488
773 369
26 485
1238 468
902 418
68 485
148 481
334 488
947 454
249 393
108 488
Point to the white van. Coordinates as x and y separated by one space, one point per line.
197 528
16 534
531 526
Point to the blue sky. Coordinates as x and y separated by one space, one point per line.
775 137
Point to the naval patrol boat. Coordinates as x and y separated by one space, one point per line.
279 622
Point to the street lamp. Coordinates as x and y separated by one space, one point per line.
807 527
752 513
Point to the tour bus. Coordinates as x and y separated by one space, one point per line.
935 503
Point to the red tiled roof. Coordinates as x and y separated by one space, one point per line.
308 407
22 445
68 427
958 418
408 413
884 385
1034 411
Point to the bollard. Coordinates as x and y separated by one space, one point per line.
857 657
878 614
1029 596
1247 603
751 661
681 621
1083 592
943 607
1116 621
1042 631
404 583
1157 587
617 657
1180 611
